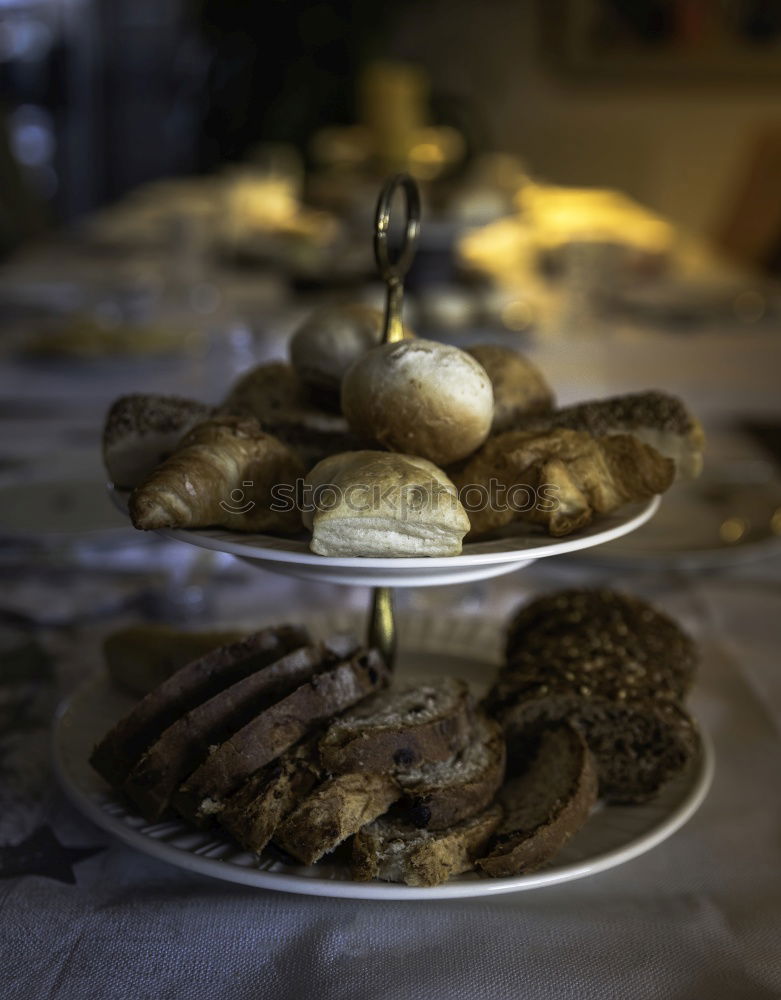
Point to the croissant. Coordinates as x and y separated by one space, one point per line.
222 475
559 479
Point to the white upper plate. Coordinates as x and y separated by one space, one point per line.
478 560
467 647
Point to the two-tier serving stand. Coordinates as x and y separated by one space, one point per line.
478 561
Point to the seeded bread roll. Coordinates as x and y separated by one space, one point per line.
401 729
334 811
438 795
371 503
184 744
118 751
656 418
395 852
328 342
275 730
520 389
142 430
613 644
544 806
420 397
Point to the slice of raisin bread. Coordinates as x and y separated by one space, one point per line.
400 729
441 794
397 852
275 730
255 810
544 806
335 810
183 745
117 753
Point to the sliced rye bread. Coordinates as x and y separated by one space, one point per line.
397 852
599 629
116 754
255 810
335 810
544 806
400 729
275 730
441 794
638 746
184 745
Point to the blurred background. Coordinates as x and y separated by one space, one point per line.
183 181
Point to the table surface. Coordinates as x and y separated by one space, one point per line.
81 915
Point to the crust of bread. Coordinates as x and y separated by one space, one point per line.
394 852
116 754
334 811
401 729
543 807
275 730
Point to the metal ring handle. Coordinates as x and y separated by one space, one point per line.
394 271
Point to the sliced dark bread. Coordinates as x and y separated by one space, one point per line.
184 745
276 729
544 806
441 794
605 631
397 852
638 745
400 729
114 757
335 810
255 810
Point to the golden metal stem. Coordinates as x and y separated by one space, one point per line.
382 625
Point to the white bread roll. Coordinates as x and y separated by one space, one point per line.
519 386
372 503
328 342
420 397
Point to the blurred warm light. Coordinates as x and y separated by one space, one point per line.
517 315
775 522
733 529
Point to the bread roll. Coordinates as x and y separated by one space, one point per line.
420 397
519 387
371 503
274 395
327 343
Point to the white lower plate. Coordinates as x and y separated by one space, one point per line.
466 647
478 561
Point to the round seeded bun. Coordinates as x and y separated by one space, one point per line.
519 387
421 398
327 343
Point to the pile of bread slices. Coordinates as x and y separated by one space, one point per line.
303 747
415 444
